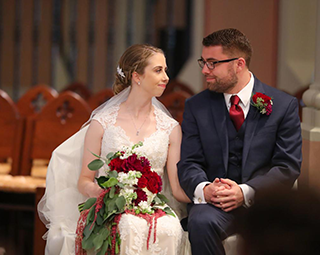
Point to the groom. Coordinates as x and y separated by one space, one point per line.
240 137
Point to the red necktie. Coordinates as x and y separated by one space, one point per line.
236 113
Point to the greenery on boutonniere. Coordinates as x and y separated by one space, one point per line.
262 102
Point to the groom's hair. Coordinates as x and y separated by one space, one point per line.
234 43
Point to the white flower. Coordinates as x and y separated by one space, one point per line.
130 178
128 194
145 206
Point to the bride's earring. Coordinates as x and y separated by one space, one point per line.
139 83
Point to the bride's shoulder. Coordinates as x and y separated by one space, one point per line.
164 121
108 115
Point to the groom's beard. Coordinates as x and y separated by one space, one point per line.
223 85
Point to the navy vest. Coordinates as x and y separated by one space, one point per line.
235 139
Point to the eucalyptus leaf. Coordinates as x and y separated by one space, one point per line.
111 182
109 155
112 191
87 244
99 219
88 230
101 180
95 164
110 214
100 238
112 205
157 200
162 198
120 203
95 154
113 174
104 248
90 202
90 216
168 211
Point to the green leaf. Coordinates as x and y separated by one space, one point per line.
137 145
111 182
101 180
113 174
104 248
121 202
95 154
168 211
100 238
157 200
112 191
89 203
87 244
95 164
90 216
117 248
88 230
112 205
110 155
162 198
99 220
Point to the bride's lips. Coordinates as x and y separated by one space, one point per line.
162 85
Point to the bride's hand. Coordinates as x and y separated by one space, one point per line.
92 189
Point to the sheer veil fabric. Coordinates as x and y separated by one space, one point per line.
58 208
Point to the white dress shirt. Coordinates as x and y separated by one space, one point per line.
248 192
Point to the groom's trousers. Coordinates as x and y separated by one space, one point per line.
208 226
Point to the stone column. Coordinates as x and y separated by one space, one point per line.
310 171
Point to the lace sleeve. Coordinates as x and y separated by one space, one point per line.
165 122
108 117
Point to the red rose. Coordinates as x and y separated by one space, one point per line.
154 182
141 196
142 182
132 163
265 98
115 164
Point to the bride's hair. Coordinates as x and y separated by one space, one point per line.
134 59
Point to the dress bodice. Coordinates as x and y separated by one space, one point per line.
155 146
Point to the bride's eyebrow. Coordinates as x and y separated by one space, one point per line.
160 67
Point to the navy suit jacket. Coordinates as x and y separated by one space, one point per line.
272 144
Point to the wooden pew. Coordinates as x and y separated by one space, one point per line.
11 136
174 102
78 88
175 85
100 97
57 121
35 99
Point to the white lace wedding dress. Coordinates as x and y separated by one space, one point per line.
58 209
170 238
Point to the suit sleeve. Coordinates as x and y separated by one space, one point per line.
192 165
287 155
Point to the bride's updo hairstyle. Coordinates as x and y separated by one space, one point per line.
134 59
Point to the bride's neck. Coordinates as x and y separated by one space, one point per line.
137 105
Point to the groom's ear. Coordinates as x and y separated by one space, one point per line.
241 64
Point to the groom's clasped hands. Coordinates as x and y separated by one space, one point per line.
224 194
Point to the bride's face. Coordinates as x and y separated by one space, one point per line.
155 79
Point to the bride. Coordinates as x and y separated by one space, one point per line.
133 115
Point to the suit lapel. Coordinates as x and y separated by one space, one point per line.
218 107
252 120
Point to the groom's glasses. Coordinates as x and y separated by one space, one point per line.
211 64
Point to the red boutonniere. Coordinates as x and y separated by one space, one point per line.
262 102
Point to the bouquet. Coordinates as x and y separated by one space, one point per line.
129 186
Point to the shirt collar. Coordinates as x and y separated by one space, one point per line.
244 94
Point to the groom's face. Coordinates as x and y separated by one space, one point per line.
222 78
